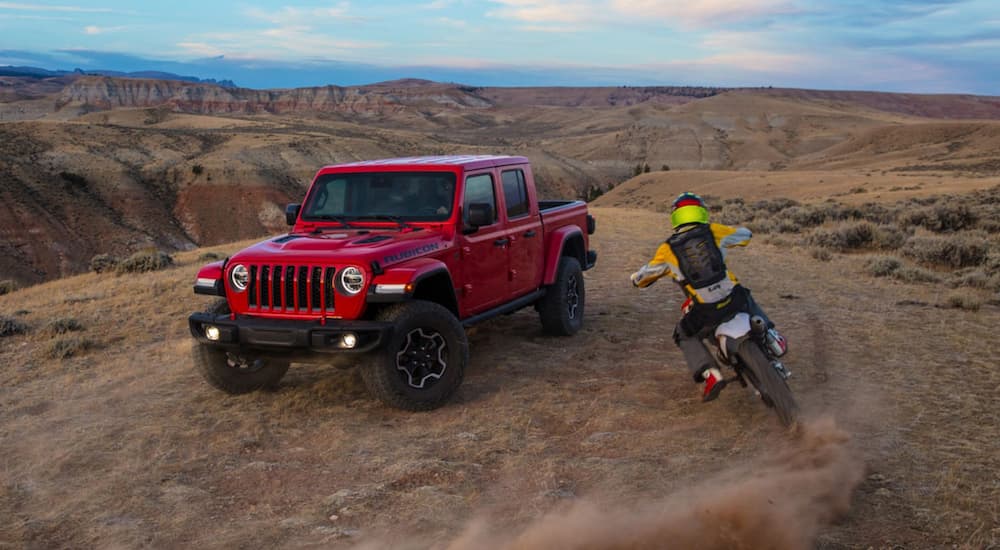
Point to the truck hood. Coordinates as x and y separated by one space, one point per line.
353 246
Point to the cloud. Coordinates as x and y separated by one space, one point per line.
456 23
290 33
46 7
701 13
292 15
696 13
537 12
94 29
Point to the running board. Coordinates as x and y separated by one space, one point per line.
509 307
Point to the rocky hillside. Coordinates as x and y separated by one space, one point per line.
111 165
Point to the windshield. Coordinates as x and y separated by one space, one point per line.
409 196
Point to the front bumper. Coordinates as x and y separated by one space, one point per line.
276 335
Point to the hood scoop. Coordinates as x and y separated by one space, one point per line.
286 238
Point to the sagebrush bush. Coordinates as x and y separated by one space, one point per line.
209 257
846 236
889 237
806 216
7 286
882 266
103 263
147 260
773 206
914 274
963 300
10 326
63 325
954 251
735 213
821 254
68 347
942 218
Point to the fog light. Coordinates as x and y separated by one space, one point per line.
212 333
348 340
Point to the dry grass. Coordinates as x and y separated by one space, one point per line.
124 445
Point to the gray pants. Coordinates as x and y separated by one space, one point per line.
696 355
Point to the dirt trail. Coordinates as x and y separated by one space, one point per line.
602 435
780 500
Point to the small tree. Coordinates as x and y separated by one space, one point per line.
645 168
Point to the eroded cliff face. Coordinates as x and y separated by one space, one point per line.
380 99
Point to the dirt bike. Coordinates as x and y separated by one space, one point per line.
747 344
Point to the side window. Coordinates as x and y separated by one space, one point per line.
515 193
479 188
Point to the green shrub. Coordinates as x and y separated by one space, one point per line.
63 325
68 347
209 257
882 266
103 263
7 286
197 169
10 326
954 251
147 260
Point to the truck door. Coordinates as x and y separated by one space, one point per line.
484 252
524 230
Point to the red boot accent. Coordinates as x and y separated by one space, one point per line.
713 384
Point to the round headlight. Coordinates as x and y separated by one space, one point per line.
239 277
352 280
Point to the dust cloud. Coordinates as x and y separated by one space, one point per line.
778 501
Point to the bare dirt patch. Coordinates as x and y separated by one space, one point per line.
123 444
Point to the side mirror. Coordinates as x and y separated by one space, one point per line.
480 214
292 213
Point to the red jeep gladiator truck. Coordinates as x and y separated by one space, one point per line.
386 263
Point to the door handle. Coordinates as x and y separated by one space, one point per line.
530 233
501 242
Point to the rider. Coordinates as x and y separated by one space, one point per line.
694 257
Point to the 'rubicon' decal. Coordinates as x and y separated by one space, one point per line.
405 254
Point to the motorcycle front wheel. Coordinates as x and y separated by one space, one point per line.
773 388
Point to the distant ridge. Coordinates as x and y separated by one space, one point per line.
37 72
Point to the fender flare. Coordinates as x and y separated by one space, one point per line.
407 276
557 248
210 279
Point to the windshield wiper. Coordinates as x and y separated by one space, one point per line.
328 217
402 223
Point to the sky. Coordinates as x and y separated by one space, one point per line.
926 46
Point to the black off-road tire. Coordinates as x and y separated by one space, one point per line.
561 309
773 388
233 372
423 362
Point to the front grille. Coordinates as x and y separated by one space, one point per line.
290 288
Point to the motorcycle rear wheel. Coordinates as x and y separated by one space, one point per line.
774 390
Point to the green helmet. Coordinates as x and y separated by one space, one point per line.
688 208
